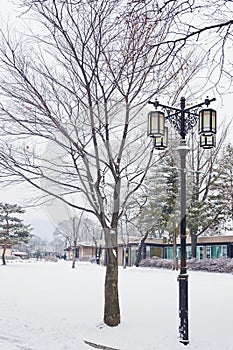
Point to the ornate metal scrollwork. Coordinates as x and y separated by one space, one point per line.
182 119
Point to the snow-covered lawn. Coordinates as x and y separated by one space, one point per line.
49 306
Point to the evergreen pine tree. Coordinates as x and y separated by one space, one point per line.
211 204
221 193
12 229
160 213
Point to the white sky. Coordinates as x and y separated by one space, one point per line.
38 217
45 220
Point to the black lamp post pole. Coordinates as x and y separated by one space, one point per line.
183 119
183 149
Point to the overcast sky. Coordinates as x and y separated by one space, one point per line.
44 220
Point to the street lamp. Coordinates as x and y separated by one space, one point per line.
161 142
156 121
183 119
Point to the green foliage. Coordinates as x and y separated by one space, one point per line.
212 199
160 211
12 229
221 190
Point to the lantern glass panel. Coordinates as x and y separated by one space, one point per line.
161 142
158 142
155 123
214 120
207 141
207 122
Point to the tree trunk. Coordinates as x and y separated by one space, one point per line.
175 258
74 259
126 257
74 254
194 245
97 254
97 251
140 247
111 307
3 255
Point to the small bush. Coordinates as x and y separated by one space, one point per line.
157 262
51 258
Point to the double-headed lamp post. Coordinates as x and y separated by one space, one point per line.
183 119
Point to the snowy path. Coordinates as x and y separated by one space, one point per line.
49 306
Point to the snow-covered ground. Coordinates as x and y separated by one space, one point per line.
49 306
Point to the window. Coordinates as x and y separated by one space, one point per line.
224 250
133 254
188 252
218 251
200 252
208 252
156 251
168 253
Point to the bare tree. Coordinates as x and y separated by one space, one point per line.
71 231
77 229
79 87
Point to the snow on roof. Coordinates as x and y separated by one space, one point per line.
19 253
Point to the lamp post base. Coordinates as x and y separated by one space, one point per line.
183 308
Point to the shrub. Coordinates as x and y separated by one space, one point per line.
221 265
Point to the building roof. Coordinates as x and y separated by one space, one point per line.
19 254
135 240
